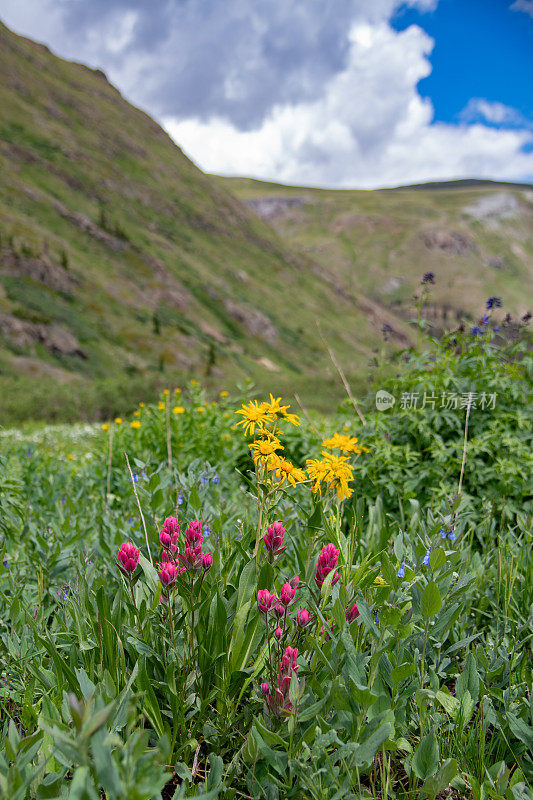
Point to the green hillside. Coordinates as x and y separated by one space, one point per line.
123 266
475 236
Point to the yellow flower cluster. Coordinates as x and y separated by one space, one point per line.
346 444
334 471
260 420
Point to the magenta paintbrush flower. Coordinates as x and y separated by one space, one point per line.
128 558
327 561
274 539
352 613
207 562
286 594
265 600
168 574
303 618
170 534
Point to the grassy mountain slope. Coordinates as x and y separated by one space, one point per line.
476 236
120 258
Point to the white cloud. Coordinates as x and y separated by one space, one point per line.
479 109
523 5
369 128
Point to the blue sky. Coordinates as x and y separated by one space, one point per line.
483 49
348 93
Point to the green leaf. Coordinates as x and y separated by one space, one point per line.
426 758
450 703
468 680
364 755
430 600
437 559
441 780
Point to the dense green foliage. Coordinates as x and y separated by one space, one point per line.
108 690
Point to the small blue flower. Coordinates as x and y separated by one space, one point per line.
451 535
65 596
130 521
134 478
215 479
401 571
485 319
203 480
476 331
425 560
493 302
376 618
207 531
62 499
144 475
496 329
442 533
180 499
5 562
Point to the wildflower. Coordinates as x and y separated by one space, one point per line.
352 612
274 539
265 600
207 562
428 277
177 390
5 563
376 618
275 408
135 424
193 534
141 405
254 414
401 571
134 477
118 420
65 596
105 426
200 409
128 558
327 561
386 329
442 533
170 533
285 470
194 382
294 582
379 581
203 480
477 331
207 531
178 410
215 479
180 499
335 471
303 618
165 392
279 610
287 593
70 456
277 633
451 535
265 689
346 444
493 302
168 574
265 447
161 406
425 560
224 393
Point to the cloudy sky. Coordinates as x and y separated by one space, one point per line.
341 93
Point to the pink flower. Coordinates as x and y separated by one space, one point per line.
277 633
168 574
170 534
352 613
287 594
279 702
303 618
194 537
294 582
274 539
207 562
279 610
265 600
128 558
192 558
327 561
265 689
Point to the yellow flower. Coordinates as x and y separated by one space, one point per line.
165 392
379 581
161 405
135 413
285 470
334 471
265 447
200 409
224 393
214 402
70 456
347 444
135 424
194 382
274 407
178 410
118 420
141 405
105 426
177 391
253 414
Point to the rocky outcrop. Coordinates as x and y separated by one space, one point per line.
453 243
24 335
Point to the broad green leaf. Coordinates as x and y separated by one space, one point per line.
426 758
437 559
441 780
430 600
365 753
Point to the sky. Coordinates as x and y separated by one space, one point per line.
342 94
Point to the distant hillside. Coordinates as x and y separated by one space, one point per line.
123 266
475 236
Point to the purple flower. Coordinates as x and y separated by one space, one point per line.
180 499
401 571
493 302
451 535
425 560
215 479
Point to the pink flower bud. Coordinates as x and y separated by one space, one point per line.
303 618
327 561
265 689
277 633
128 558
274 539
194 537
287 594
352 613
265 600
279 610
294 582
207 562
168 574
